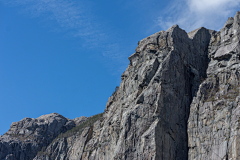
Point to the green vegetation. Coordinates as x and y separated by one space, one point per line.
14 135
78 129
42 152
232 93
19 136
75 130
146 129
212 99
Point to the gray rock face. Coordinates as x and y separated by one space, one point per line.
146 118
178 99
26 137
79 120
213 125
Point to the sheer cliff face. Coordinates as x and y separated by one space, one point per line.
213 125
178 100
146 118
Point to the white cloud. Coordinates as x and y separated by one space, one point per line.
206 6
192 14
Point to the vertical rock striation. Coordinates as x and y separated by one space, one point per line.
146 118
213 125
178 100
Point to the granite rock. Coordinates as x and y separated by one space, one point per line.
178 99
146 118
213 125
26 137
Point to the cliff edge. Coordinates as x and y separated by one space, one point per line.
178 100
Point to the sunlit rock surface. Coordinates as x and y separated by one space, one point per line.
178 100
146 118
213 125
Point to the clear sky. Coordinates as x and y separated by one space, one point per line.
67 56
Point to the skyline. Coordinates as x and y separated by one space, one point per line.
68 56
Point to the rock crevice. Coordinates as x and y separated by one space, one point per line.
178 99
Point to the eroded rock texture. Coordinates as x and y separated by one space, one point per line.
146 118
178 100
213 125
26 137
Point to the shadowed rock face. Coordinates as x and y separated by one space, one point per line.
146 118
213 125
178 100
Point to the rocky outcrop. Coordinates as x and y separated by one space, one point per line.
178 99
79 120
70 145
146 118
213 126
28 136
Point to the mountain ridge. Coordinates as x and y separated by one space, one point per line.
178 99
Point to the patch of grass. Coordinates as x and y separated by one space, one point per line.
19 136
78 129
42 152
146 129
232 93
212 99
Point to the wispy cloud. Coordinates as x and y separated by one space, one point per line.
75 18
192 14
69 15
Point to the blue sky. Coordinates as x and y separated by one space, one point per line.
67 56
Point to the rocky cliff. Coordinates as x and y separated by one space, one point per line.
178 100
213 125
